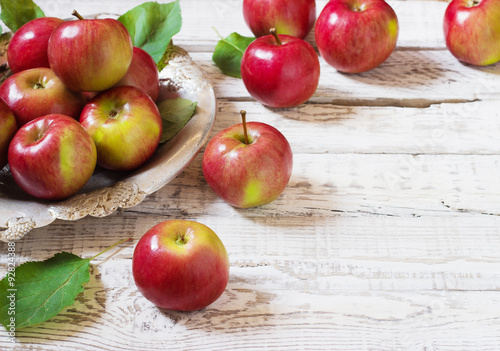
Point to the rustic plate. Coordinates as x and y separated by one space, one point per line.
107 191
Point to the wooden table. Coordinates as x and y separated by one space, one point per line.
386 238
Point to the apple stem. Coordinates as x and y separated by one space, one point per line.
275 34
76 14
244 120
109 248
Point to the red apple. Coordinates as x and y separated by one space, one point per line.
126 127
38 92
248 171
356 36
28 46
142 74
180 265
90 54
290 17
280 70
472 31
8 127
52 157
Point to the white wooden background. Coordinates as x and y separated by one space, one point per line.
387 237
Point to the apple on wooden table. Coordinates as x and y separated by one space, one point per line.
125 125
90 54
180 265
8 128
472 31
280 70
248 164
52 157
37 92
290 17
28 45
356 36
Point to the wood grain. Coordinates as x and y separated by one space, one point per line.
387 237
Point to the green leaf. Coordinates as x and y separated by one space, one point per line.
16 13
152 26
40 290
175 113
229 52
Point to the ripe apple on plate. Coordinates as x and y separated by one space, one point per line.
280 70
52 157
8 128
28 46
356 36
180 265
90 54
126 127
248 164
472 31
142 74
38 92
295 18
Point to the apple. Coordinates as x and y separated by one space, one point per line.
8 127
472 31
28 45
356 36
90 54
289 17
248 164
126 127
180 265
142 74
38 92
52 157
280 70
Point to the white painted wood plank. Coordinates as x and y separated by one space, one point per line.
460 128
355 185
256 316
337 253
406 79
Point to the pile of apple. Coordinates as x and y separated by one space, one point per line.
80 95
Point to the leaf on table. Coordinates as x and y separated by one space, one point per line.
19 12
175 113
152 25
40 290
229 52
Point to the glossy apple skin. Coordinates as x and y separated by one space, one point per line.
473 32
126 127
248 175
284 75
180 265
52 157
8 128
38 92
28 46
290 17
356 36
142 74
90 54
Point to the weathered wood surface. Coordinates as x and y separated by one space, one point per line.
387 238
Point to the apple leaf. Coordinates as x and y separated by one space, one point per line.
17 13
229 52
38 291
175 113
152 25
